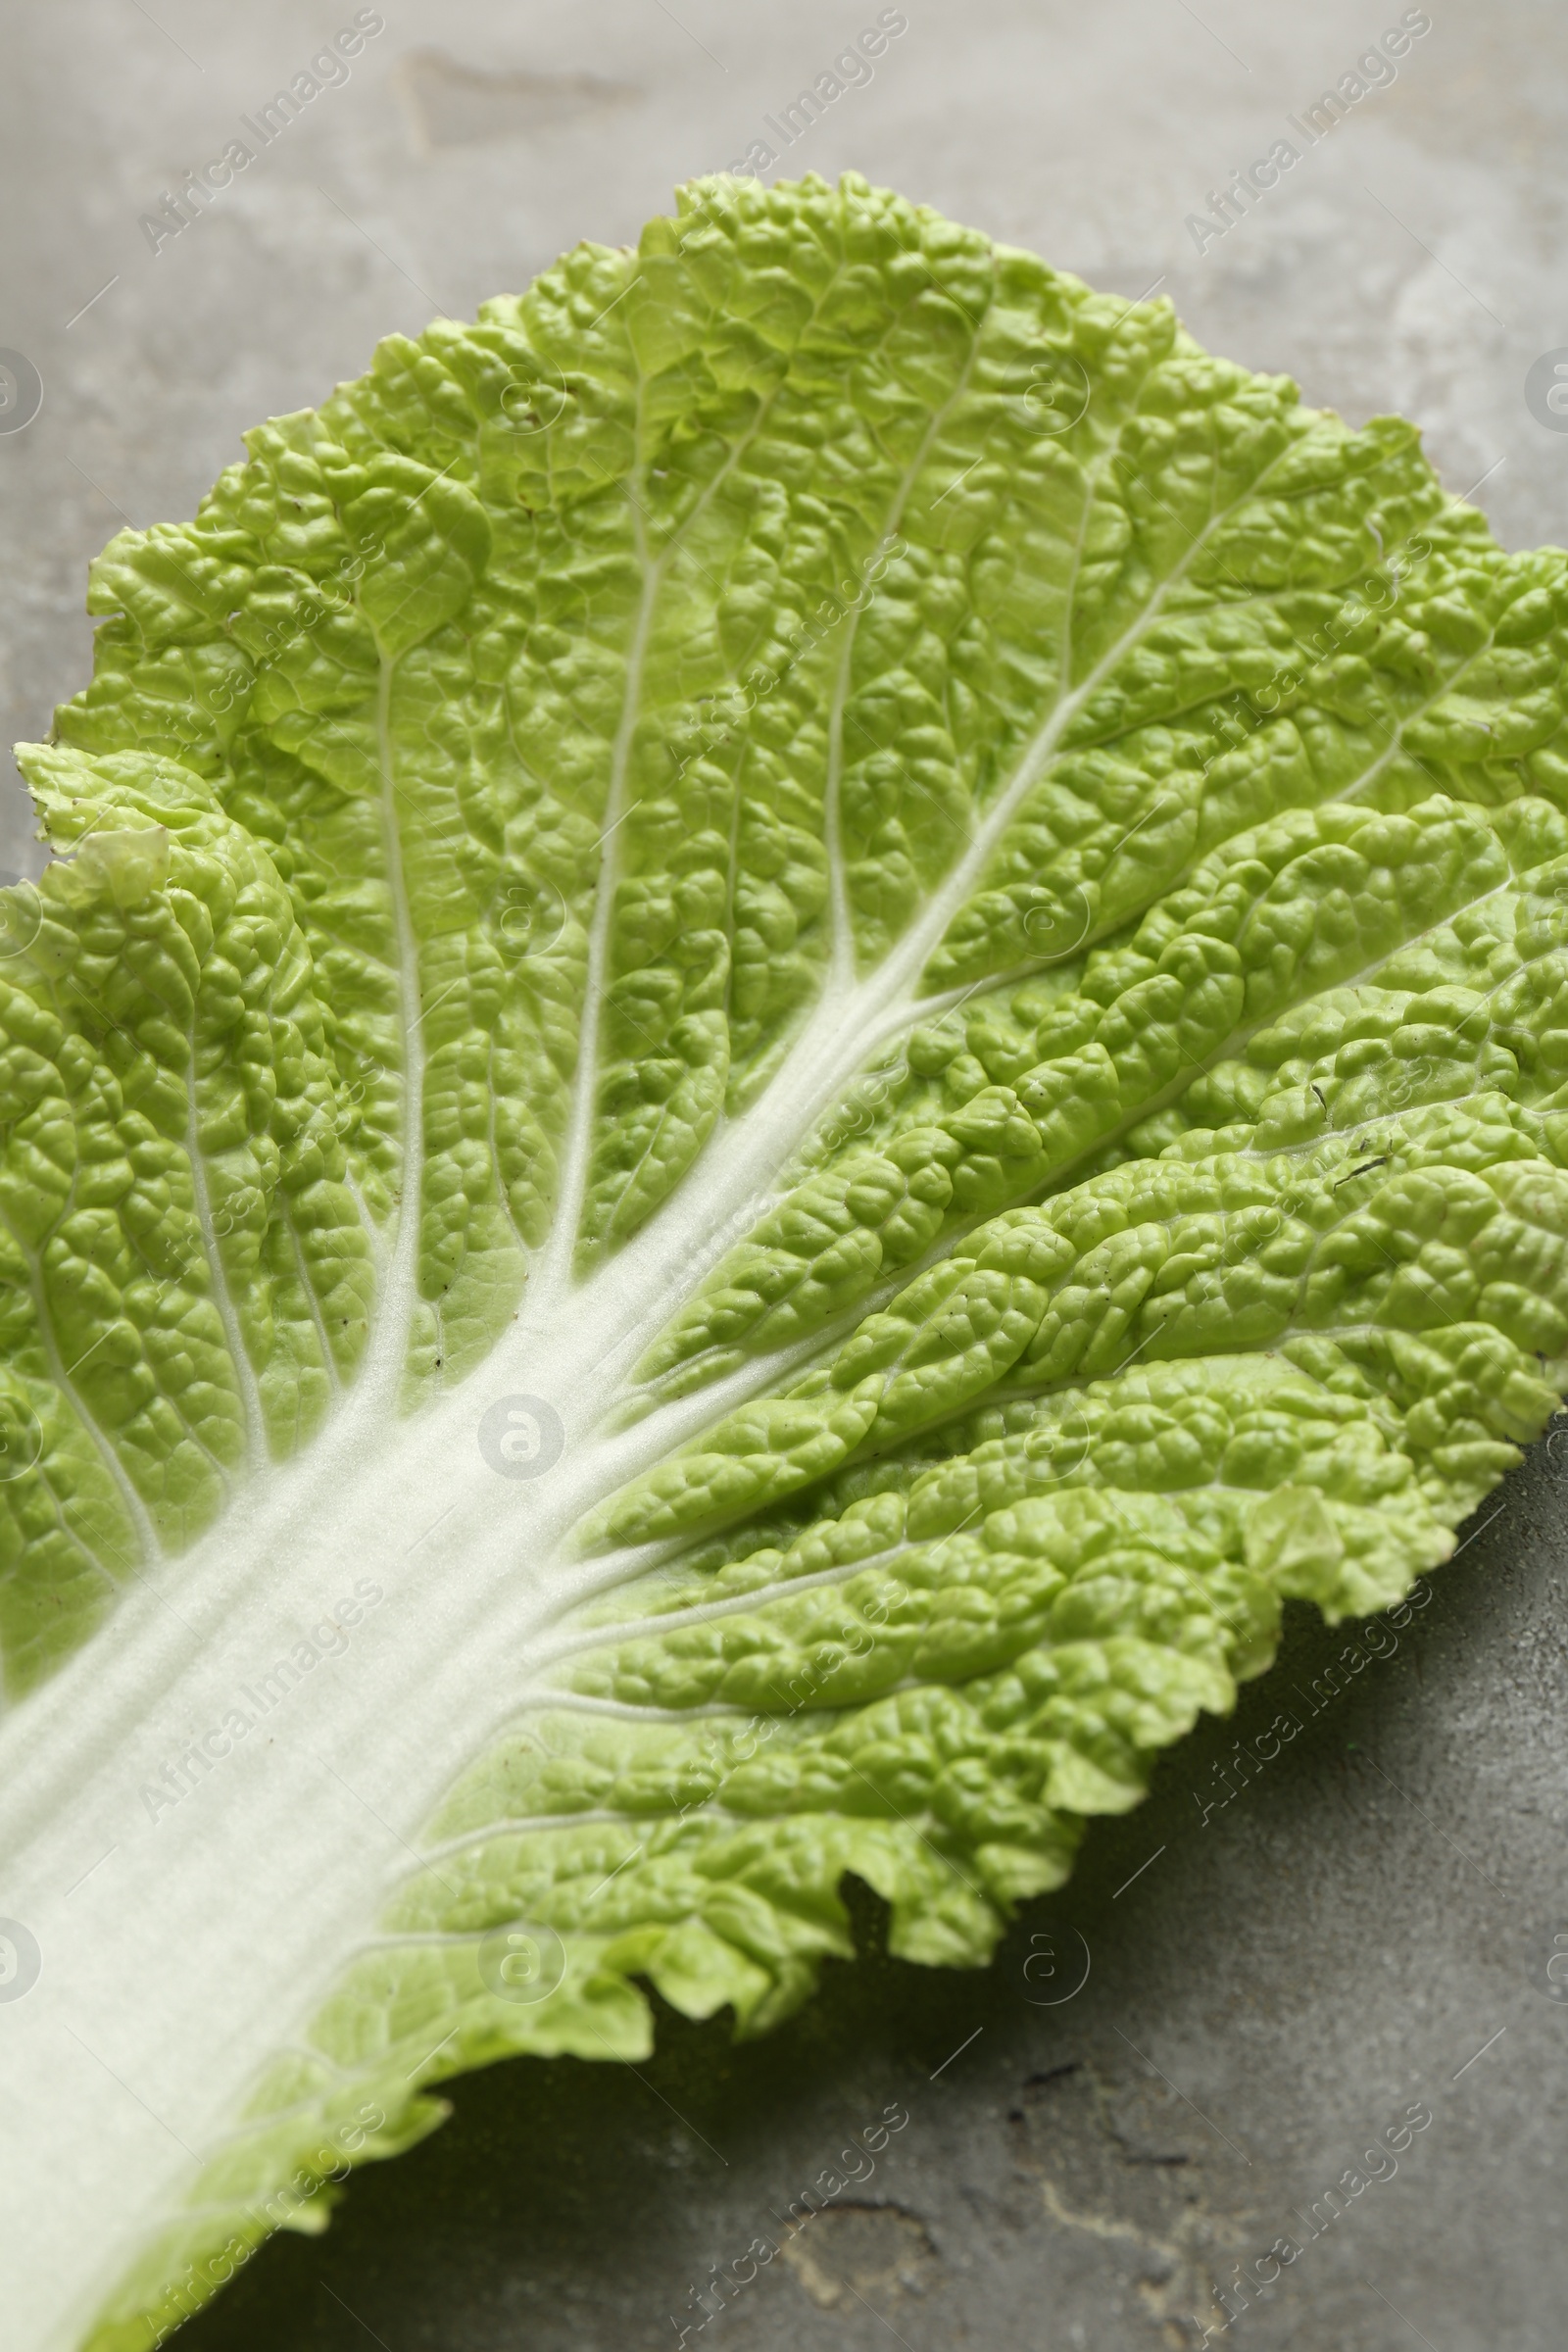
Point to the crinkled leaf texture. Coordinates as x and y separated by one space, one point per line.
803 1010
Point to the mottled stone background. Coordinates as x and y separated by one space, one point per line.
1292 1968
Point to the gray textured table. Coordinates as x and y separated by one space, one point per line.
1361 1927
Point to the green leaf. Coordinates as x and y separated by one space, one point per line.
802 1011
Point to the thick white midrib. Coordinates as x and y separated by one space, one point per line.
323 1863
604 1327
316 1863
739 1174
397 1729
291 1581
396 1741
426 1459
400 1733
320 1855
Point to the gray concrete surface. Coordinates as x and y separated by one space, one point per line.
1287 1972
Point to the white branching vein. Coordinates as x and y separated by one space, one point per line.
480 1588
